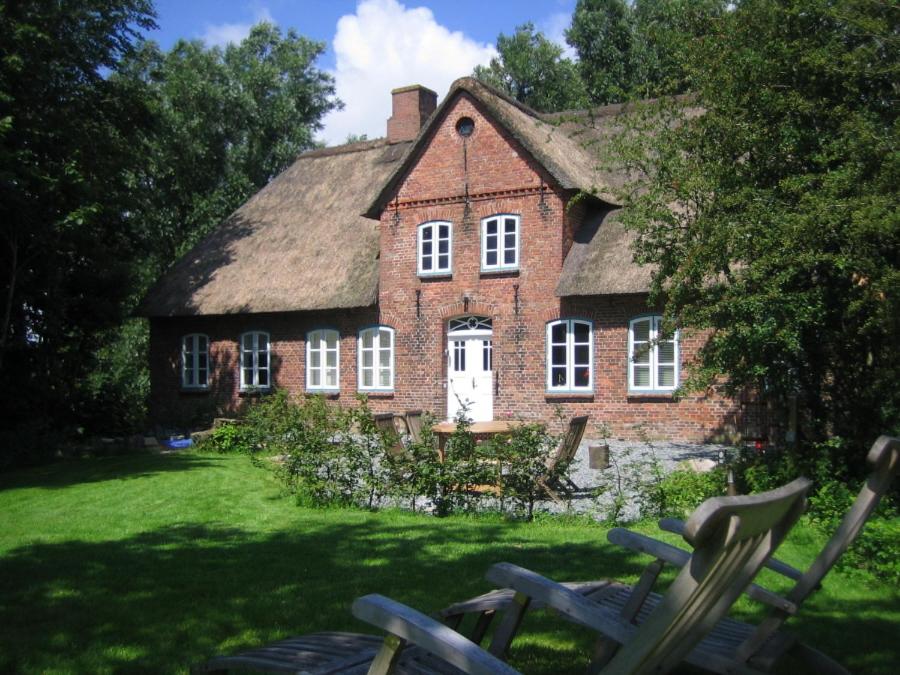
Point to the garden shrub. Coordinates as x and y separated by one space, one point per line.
678 493
231 437
521 459
877 550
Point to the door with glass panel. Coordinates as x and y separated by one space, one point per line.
470 368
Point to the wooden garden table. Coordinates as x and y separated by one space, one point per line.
443 430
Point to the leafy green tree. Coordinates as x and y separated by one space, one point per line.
664 34
771 217
227 122
532 70
638 50
67 138
602 33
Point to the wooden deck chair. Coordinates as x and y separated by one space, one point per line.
387 425
565 453
741 647
732 538
414 424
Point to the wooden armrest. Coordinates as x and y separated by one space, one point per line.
432 636
564 600
676 526
679 557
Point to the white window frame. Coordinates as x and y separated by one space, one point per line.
254 366
376 369
500 249
570 365
654 362
193 368
435 227
317 341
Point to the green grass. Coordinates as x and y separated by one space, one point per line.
149 563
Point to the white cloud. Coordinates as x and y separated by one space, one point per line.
222 34
554 27
386 45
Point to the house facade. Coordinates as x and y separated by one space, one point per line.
473 258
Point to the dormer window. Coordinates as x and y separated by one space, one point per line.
500 243
435 248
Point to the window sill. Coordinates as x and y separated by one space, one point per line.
435 276
194 390
574 396
651 396
377 393
504 272
254 391
326 393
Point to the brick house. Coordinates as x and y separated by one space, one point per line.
444 264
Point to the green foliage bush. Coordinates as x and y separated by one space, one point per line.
680 492
330 455
877 550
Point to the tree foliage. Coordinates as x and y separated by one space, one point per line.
532 70
227 122
637 50
769 208
67 134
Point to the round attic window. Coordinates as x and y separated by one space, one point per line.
465 126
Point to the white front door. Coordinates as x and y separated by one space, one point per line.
470 371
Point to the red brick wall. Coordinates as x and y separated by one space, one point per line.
172 405
499 178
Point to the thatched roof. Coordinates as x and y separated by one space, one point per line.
558 142
299 244
600 260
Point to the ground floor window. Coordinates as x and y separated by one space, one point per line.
255 360
652 356
195 361
376 359
323 360
569 356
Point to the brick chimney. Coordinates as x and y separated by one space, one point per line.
411 107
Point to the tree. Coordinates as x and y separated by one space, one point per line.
629 51
602 33
532 70
664 34
67 133
227 122
768 205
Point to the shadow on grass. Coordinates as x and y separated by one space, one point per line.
159 601
97 469
162 600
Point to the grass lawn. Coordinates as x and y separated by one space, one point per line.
149 563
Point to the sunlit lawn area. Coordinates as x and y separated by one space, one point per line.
149 563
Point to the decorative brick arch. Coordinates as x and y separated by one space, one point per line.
453 309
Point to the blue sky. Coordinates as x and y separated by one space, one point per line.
372 45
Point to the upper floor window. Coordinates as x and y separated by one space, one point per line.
255 366
500 243
570 365
652 356
435 248
376 359
195 361
323 353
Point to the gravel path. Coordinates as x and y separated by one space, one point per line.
629 462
